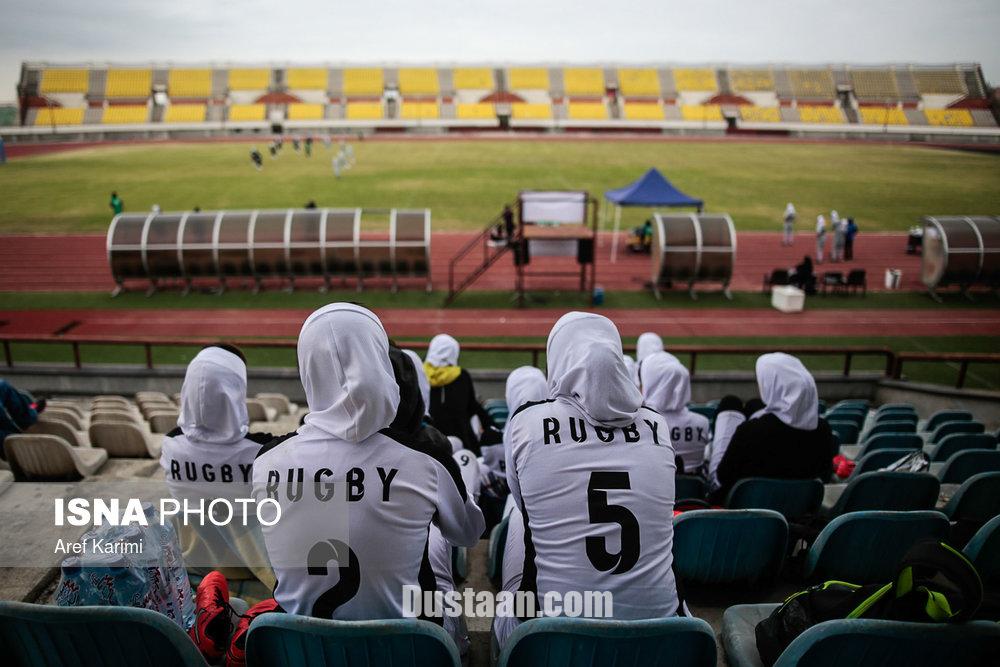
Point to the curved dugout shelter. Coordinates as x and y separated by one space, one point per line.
691 248
322 243
963 251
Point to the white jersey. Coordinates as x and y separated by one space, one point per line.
690 434
597 505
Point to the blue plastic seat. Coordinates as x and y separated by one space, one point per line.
689 487
498 540
34 635
894 491
853 416
984 551
862 642
909 441
864 547
963 465
959 442
893 415
792 498
942 416
977 500
895 407
568 642
891 427
729 546
948 428
846 431
874 461
285 640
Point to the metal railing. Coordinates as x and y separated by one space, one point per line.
963 359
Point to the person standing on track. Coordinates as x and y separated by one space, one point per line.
820 237
788 224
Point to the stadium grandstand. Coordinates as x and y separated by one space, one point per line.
127 100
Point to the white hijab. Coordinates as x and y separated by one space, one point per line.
632 368
666 384
648 343
788 390
585 368
345 368
524 385
790 209
214 398
425 384
443 351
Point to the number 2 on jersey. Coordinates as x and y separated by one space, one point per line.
601 512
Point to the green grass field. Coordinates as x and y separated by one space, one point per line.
465 183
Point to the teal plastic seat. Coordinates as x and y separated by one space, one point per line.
34 635
689 487
729 546
942 416
285 640
498 541
984 551
864 547
862 642
571 642
963 465
895 407
898 416
707 411
854 416
876 460
960 442
792 498
891 427
846 431
977 500
948 428
893 491
494 403
873 443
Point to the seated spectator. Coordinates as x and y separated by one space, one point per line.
358 489
524 385
453 396
786 439
590 444
425 385
647 344
631 368
802 276
18 411
666 387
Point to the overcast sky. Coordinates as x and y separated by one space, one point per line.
718 31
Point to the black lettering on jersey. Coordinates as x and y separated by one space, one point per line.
386 478
355 484
191 471
582 435
348 583
294 493
550 430
323 490
273 480
652 427
605 434
631 433
175 469
246 469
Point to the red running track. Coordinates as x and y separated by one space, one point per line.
79 263
423 323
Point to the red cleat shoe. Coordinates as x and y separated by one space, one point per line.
237 655
212 622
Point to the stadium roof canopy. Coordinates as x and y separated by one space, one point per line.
652 189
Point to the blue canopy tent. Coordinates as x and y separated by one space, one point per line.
652 190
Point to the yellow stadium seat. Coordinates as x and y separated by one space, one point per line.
703 79
302 111
64 81
59 116
478 111
583 81
418 110
528 78
363 81
473 78
125 113
820 114
883 116
875 83
751 80
701 112
128 83
635 111
951 117
760 114
639 82
246 112
306 78
939 82
249 79
418 81
530 111
189 83
185 113
588 111
811 83
364 110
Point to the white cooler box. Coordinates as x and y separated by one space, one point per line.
788 299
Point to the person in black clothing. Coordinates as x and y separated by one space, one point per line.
18 411
453 396
508 223
803 276
788 439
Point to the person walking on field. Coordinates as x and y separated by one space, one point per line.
820 237
789 224
116 203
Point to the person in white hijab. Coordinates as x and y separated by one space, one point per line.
525 384
839 228
787 439
357 497
591 446
820 237
453 401
666 387
631 368
425 385
648 343
788 223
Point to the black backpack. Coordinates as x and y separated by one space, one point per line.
934 583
